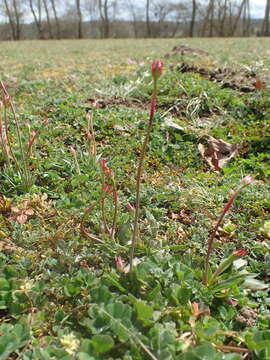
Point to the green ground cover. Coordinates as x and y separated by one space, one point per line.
61 294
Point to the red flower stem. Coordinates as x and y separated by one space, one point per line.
3 141
102 202
115 200
30 145
212 237
139 173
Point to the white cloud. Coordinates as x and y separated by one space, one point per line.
257 8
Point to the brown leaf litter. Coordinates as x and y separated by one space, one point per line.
185 50
104 103
242 80
216 152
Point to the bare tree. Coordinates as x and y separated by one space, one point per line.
135 15
36 10
147 18
193 18
223 17
14 13
103 6
48 18
58 31
79 15
246 19
209 18
265 24
238 16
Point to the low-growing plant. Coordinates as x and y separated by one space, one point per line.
19 158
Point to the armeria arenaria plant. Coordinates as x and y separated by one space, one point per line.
157 68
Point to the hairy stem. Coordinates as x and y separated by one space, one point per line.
139 174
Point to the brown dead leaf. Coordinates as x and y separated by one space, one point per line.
217 153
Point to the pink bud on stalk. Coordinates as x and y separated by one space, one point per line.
130 207
106 170
120 266
157 68
72 150
247 180
45 122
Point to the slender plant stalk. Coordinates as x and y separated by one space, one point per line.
91 136
102 203
77 163
9 141
139 173
246 181
26 175
115 200
3 140
30 144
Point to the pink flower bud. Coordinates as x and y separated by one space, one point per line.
130 61
157 68
240 253
130 207
27 125
107 189
247 180
45 122
120 266
106 170
72 150
1 104
6 98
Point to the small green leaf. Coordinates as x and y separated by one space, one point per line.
102 343
144 311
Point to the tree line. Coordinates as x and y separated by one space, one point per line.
57 19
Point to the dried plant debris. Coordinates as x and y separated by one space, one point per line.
216 152
104 103
186 50
242 80
247 317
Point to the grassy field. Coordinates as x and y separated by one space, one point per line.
66 291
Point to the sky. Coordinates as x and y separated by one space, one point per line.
257 8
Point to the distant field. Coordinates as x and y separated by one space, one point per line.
82 55
65 289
